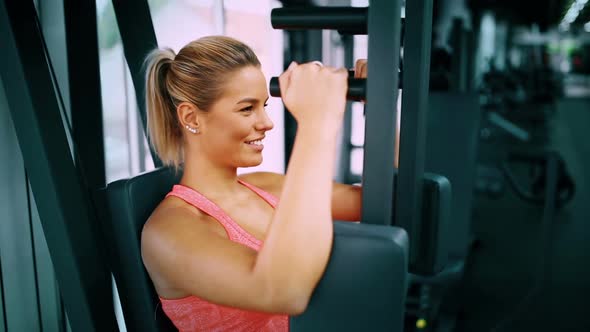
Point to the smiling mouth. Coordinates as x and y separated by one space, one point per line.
257 142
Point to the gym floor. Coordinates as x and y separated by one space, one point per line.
504 265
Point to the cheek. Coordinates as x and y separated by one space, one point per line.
230 133
241 129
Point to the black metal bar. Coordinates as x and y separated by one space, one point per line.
50 302
356 88
344 174
380 118
62 203
413 125
352 20
459 59
346 20
85 95
139 38
17 248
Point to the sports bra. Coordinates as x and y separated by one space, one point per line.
191 314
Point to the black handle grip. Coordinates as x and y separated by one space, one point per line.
356 87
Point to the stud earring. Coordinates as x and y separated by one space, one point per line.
192 130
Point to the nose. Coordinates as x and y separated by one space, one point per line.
264 122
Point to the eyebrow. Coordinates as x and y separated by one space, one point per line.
250 100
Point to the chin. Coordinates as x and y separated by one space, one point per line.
251 163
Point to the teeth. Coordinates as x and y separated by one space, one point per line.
258 142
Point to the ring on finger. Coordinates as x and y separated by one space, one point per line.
318 63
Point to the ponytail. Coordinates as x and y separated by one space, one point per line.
163 129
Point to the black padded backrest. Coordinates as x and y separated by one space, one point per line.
364 286
451 151
129 203
433 239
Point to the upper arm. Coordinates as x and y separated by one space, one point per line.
346 199
192 258
346 202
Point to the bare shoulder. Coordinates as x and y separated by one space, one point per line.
267 181
172 220
171 229
171 213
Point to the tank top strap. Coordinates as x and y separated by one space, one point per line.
234 231
268 197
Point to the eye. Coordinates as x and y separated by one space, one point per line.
247 109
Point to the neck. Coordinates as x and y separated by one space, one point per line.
209 179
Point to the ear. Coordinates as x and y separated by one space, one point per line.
187 115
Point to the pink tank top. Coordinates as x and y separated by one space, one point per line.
194 314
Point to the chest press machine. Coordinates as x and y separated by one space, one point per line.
365 283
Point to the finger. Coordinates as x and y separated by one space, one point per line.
342 72
292 66
337 70
363 68
313 66
358 67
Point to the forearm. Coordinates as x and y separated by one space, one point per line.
299 240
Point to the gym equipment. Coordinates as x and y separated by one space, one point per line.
348 20
356 87
530 184
139 38
451 151
384 46
451 148
433 240
126 206
345 20
64 206
535 189
552 164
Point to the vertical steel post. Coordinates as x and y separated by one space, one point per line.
344 174
384 25
417 45
139 38
85 95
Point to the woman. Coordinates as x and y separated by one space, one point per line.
221 250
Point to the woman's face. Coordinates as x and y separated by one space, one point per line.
233 130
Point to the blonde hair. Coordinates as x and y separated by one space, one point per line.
196 75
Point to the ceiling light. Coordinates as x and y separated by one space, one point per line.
574 10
